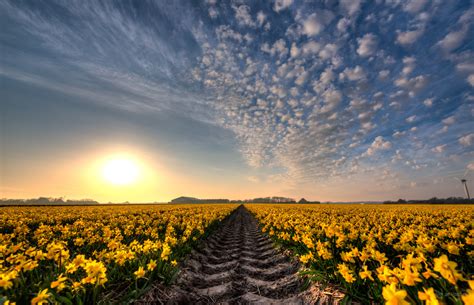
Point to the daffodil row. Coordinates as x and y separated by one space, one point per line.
81 254
397 254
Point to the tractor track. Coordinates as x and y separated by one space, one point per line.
237 264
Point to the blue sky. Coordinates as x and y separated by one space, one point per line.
330 100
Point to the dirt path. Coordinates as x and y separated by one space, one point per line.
236 265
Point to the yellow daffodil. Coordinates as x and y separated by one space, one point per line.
140 273
393 296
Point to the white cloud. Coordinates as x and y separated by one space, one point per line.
261 18
378 144
328 51
213 13
452 40
367 45
311 47
350 7
409 37
449 120
294 51
383 74
470 80
253 179
242 14
332 98
413 84
281 5
439 149
414 6
343 24
316 22
467 140
398 134
428 102
279 48
354 74
411 119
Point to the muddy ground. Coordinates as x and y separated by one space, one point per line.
239 265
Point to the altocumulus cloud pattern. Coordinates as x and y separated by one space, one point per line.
313 90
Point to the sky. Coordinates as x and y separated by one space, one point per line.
328 100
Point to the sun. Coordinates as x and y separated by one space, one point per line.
120 171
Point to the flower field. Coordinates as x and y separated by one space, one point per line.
93 254
393 254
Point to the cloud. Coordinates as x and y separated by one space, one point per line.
213 13
470 80
350 7
281 5
449 120
409 37
411 119
367 45
467 140
242 15
261 18
316 22
304 97
439 149
378 144
353 74
470 166
452 40
428 102
414 6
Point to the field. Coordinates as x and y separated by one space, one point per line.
397 254
83 255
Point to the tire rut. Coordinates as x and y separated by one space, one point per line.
238 265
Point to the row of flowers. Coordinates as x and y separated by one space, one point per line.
79 255
393 254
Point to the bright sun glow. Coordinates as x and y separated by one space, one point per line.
120 171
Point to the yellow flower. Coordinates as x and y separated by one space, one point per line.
165 252
59 283
306 258
76 286
96 273
427 274
410 277
366 273
140 273
428 296
174 263
468 298
346 273
447 269
41 298
6 281
392 296
151 265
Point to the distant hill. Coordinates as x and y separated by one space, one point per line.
434 200
47 201
184 199
274 199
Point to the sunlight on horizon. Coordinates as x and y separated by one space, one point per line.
120 171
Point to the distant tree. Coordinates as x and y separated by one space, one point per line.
302 200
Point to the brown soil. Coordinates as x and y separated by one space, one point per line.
237 265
